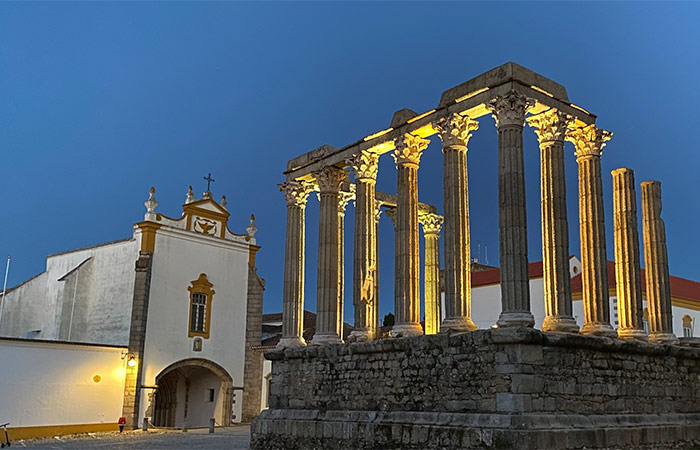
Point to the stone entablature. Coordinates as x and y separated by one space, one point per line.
510 388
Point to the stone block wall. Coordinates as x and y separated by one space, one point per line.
503 388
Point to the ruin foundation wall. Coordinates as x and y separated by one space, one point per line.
505 388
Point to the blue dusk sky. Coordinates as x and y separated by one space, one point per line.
100 100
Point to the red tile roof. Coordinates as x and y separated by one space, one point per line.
680 287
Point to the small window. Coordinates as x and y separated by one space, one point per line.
687 326
197 344
210 395
201 294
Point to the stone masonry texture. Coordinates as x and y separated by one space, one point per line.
508 388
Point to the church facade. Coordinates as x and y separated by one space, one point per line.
181 297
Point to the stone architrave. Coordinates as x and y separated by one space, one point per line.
550 127
627 262
343 200
409 149
296 193
589 142
656 262
432 224
329 180
455 133
509 113
365 166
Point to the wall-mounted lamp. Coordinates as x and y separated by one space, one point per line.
130 359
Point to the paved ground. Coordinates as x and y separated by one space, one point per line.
235 438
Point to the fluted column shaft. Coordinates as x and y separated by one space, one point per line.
589 142
296 194
455 132
328 276
656 262
509 113
627 264
343 199
432 224
375 306
365 258
407 296
551 127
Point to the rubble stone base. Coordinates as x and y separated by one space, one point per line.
490 389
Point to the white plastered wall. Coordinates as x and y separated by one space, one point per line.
45 383
178 259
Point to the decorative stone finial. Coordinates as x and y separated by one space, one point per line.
190 196
409 149
589 140
252 229
151 204
510 109
223 202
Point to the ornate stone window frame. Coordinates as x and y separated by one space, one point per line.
201 286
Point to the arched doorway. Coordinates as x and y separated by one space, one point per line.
192 391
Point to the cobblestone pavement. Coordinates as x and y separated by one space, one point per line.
235 438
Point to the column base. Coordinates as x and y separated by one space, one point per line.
516 319
663 338
632 333
291 342
457 324
598 329
325 339
407 329
360 335
562 324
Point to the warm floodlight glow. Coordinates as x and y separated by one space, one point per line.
471 94
538 89
376 135
579 108
421 116
131 362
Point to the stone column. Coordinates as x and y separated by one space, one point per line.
627 263
365 167
296 194
455 133
432 223
343 199
551 127
329 180
509 114
375 309
656 262
409 149
589 142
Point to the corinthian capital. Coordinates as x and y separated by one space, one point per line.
344 198
364 165
296 192
432 223
455 131
510 109
329 179
409 149
588 140
551 125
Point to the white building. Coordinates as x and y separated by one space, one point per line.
486 297
181 299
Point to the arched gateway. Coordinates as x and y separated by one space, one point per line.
192 391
